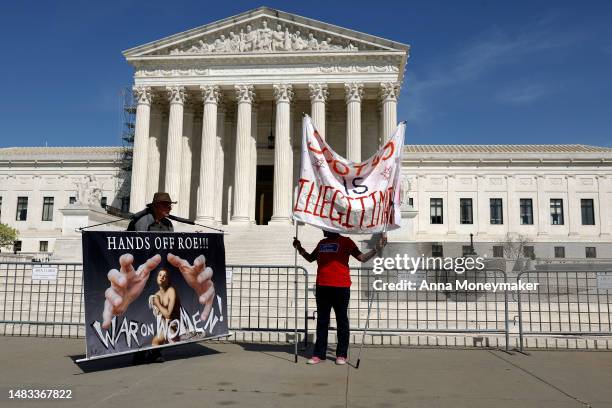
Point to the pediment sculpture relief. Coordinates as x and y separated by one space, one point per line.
263 39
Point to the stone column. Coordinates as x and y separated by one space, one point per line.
211 95
155 135
573 215
283 155
138 196
186 161
253 166
543 206
354 93
389 92
176 97
219 163
603 206
245 95
318 97
452 204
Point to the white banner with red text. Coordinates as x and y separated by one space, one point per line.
338 195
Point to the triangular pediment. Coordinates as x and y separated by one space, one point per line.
265 30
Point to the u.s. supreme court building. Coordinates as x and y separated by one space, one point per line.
218 112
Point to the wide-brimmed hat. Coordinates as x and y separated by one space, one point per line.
161 197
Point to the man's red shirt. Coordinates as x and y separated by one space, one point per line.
333 261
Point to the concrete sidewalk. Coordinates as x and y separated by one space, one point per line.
264 375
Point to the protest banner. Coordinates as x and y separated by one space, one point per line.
145 289
338 195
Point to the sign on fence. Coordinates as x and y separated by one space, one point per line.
146 289
46 273
604 280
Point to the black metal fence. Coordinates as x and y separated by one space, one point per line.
42 307
565 303
443 309
281 299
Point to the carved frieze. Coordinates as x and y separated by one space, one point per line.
251 39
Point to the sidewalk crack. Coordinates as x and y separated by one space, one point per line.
542 380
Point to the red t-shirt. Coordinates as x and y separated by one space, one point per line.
333 261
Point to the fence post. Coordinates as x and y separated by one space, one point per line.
520 312
305 309
506 324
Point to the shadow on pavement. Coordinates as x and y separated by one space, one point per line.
125 360
268 349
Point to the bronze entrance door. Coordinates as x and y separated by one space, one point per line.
263 194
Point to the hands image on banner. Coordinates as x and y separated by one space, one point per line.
127 283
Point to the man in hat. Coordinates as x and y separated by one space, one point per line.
155 216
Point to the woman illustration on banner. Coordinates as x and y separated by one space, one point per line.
166 305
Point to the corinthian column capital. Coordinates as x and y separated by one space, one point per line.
143 94
211 94
318 92
389 91
176 94
283 92
354 92
244 93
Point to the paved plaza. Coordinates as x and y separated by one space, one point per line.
215 374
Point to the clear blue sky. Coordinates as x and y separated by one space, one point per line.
479 72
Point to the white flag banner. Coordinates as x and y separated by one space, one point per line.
338 195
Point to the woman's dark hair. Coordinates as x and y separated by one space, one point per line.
328 234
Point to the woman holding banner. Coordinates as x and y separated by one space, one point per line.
333 288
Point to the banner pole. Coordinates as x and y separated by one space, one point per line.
295 336
365 330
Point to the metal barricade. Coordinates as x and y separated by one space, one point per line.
259 298
429 311
49 308
268 298
565 303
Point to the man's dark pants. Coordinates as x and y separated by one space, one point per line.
329 297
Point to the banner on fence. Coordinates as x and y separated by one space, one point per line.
147 289
338 195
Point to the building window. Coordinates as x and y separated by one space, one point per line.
466 250
498 251
43 246
437 251
590 252
103 202
529 252
559 252
588 211
435 210
410 201
497 211
47 214
526 211
556 211
17 246
71 200
466 212
22 209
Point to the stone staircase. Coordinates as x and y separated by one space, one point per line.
272 244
